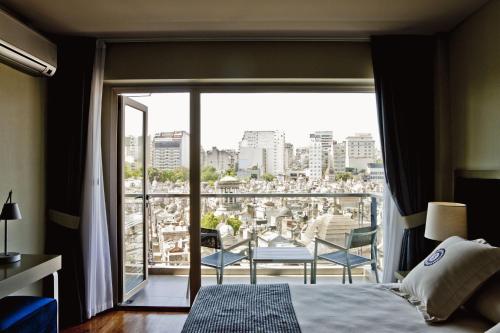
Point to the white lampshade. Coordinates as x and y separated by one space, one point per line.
446 219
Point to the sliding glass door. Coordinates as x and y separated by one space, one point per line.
255 166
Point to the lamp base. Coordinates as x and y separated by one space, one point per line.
9 257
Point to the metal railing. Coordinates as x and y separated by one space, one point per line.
363 215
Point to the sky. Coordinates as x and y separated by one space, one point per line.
225 116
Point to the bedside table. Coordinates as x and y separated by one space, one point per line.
400 275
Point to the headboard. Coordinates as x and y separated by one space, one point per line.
480 191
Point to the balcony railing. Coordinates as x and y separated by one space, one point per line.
272 219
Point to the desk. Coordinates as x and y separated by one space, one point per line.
285 255
30 269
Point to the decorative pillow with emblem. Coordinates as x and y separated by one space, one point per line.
444 280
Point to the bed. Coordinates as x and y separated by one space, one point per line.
344 308
315 308
368 308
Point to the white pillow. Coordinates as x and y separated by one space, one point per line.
494 329
486 301
449 276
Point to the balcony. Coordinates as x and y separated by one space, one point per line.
269 219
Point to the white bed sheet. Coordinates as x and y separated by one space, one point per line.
368 308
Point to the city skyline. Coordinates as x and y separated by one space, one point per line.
265 111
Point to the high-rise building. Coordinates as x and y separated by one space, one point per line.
221 160
338 156
375 172
251 161
326 140
270 144
170 150
360 150
203 156
288 155
149 147
315 158
133 146
301 160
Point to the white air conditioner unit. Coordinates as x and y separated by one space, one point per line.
25 48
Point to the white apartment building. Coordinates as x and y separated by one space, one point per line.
133 146
301 160
375 172
221 160
269 143
338 156
326 139
315 159
360 150
203 156
170 150
251 158
288 155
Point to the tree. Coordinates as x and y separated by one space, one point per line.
235 223
165 176
130 172
230 172
153 174
127 171
343 176
268 177
209 174
209 221
180 174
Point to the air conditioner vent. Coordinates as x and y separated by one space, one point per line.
25 48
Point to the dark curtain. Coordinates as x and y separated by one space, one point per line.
67 119
404 83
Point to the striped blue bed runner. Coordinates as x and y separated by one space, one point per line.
264 308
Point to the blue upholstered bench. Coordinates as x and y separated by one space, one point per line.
25 314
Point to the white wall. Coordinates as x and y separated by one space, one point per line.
22 158
238 60
475 90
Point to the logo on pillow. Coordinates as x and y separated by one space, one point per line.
435 257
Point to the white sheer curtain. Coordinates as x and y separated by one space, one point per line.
393 227
94 225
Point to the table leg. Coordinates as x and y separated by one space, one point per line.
53 292
251 270
313 274
305 273
254 272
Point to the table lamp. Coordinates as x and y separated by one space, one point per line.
10 211
445 219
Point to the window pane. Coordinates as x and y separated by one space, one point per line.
282 168
133 213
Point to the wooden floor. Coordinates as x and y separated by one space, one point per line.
132 322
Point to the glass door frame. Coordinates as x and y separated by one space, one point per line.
124 101
227 86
